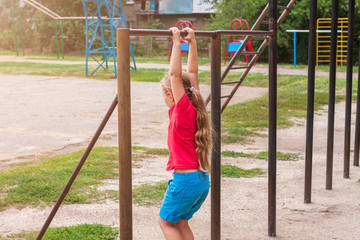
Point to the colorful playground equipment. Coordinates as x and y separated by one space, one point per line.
323 34
184 46
96 26
236 44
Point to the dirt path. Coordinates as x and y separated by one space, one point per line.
51 115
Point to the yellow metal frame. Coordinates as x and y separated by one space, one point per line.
323 41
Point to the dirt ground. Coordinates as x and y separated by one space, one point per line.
51 115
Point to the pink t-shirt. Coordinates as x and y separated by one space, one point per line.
181 135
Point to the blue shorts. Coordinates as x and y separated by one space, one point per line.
184 196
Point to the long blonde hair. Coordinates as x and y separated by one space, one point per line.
203 140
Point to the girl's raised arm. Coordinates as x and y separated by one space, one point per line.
192 64
175 66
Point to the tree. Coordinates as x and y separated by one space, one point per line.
298 18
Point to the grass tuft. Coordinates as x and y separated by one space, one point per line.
232 171
84 232
149 194
262 155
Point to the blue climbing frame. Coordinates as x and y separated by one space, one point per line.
97 28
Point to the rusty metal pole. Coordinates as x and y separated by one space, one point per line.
331 104
216 136
349 80
357 121
77 170
124 133
272 118
310 101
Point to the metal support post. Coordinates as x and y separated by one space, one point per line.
272 118
20 29
332 83
216 137
295 49
62 38
14 27
357 121
56 39
124 132
310 101
349 80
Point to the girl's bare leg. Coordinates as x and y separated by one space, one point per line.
170 230
184 229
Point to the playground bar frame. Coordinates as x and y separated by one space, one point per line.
310 102
349 81
272 118
331 105
357 121
125 184
215 44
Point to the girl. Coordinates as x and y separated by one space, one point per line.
189 142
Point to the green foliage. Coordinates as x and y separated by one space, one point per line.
39 29
232 171
298 18
84 232
152 48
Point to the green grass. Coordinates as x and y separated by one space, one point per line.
83 232
148 75
243 120
262 155
232 171
324 68
58 70
40 182
149 194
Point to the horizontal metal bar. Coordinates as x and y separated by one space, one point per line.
282 7
258 37
226 96
157 33
232 82
242 67
247 53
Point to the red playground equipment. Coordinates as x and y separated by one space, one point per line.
184 46
235 44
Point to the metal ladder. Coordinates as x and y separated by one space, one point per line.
256 54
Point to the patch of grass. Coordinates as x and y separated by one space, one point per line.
157 151
148 75
243 120
84 232
262 155
40 183
232 171
149 194
58 70
324 68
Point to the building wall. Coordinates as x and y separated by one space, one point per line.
135 16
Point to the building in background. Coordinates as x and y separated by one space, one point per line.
168 12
